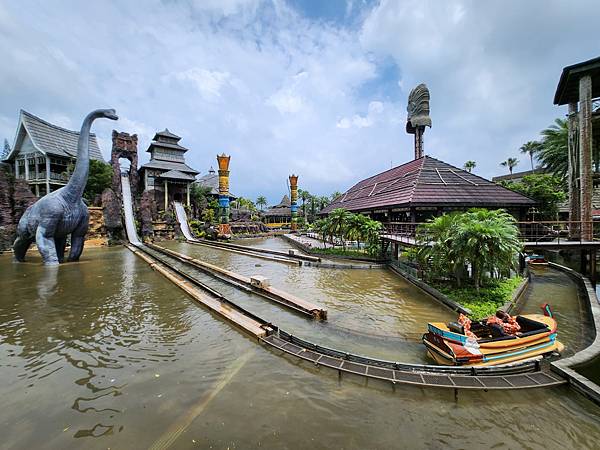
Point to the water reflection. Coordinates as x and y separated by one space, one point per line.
109 354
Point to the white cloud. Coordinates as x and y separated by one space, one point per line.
208 83
285 94
375 109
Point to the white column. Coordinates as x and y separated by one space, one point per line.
26 169
16 168
188 195
47 174
166 195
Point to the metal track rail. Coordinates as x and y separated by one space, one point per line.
248 252
518 376
493 378
205 295
283 298
260 250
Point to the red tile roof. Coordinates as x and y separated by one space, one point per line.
426 182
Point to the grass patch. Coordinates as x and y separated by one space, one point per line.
492 296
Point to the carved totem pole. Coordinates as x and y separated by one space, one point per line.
418 116
294 200
224 227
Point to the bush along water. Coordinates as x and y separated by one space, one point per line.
470 257
341 226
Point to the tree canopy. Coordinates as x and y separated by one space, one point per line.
545 189
99 178
487 240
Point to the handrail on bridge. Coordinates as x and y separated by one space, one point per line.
536 231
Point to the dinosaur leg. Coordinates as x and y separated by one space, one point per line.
45 242
20 247
61 243
78 237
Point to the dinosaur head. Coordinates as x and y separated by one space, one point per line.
107 114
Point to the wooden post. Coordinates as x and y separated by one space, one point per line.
573 172
585 155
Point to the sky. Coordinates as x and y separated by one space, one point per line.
314 88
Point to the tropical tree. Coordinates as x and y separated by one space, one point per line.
531 148
334 195
487 240
553 153
339 219
200 198
546 189
261 202
99 178
511 163
469 166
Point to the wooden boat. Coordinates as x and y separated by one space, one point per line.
488 345
536 260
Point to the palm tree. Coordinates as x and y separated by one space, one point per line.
335 195
469 165
553 153
339 219
511 163
261 202
531 148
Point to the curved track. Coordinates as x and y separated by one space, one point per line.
518 376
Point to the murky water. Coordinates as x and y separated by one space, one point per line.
106 353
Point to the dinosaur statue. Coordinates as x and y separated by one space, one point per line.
53 217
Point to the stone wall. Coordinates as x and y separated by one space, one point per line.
96 234
15 198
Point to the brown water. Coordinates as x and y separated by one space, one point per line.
106 353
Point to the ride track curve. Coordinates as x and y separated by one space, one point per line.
523 375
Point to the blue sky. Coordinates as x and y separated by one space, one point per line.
316 88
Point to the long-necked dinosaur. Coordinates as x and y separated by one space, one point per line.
61 213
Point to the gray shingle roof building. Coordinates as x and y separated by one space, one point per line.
51 139
42 153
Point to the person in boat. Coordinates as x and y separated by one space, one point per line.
466 324
505 321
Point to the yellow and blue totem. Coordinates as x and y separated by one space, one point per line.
294 200
224 227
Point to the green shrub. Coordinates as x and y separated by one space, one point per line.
491 296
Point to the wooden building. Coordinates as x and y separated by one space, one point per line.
280 215
426 187
43 154
166 173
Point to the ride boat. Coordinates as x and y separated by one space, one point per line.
536 260
496 340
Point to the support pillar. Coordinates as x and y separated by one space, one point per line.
396 251
593 267
419 131
224 227
166 195
585 156
188 195
573 173
27 169
47 175
294 200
